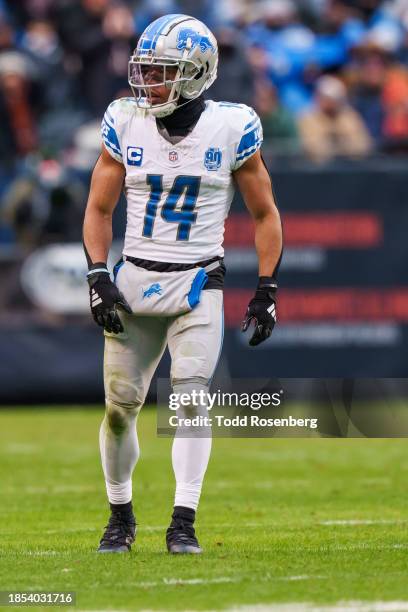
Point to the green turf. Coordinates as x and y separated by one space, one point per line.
260 520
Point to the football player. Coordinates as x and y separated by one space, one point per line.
177 157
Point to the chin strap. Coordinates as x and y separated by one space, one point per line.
162 111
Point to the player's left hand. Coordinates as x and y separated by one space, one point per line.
261 310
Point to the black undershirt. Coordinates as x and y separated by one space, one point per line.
183 119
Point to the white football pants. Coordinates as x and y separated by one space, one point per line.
131 358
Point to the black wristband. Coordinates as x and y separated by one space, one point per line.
98 264
97 268
267 282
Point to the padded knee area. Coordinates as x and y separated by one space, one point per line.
118 417
124 399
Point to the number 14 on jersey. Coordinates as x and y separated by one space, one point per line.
183 186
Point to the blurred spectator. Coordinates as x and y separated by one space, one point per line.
56 117
86 147
395 100
279 126
367 8
16 111
235 82
288 47
399 8
16 99
379 86
333 128
98 35
367 77
340 28
44 204
25 10
40 42
148 10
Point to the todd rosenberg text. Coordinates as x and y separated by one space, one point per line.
251 420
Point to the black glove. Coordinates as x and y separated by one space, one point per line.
105 299
262 310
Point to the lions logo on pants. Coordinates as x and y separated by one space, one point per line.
152 290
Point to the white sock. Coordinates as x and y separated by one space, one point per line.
119 455
190 458
190 455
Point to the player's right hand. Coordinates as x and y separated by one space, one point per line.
105 299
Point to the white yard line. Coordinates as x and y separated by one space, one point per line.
342 606
152 527
256 525
348 547
345 522
185 581
365 522
40 553
330 549
220 580
295 578
32 490
140 528
43 553
71 530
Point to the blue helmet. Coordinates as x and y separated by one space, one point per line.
184 53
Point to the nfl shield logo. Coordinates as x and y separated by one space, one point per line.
173 156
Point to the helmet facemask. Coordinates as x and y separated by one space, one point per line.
145 74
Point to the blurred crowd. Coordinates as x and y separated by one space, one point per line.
329 79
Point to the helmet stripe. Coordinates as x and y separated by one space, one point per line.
153 31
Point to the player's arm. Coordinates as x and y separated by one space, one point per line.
255 186
106 185
254 183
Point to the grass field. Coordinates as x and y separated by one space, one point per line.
281 521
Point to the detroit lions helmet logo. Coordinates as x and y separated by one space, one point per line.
154 289
203 42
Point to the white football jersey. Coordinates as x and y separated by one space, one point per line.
179 195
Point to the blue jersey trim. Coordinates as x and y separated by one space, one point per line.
249 152
249 140
251 123
198 283
110 137
116 269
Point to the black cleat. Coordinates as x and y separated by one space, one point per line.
181 538
119 534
